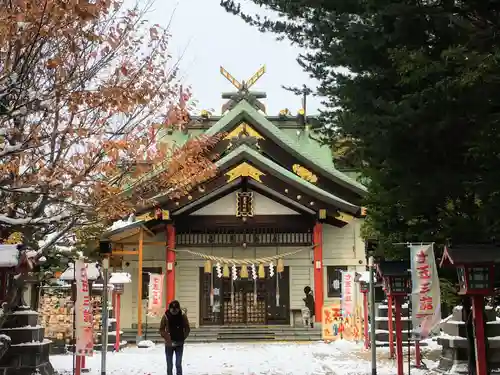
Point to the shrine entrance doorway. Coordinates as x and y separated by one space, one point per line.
247 302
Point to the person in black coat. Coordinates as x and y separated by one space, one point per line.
174 328
309 302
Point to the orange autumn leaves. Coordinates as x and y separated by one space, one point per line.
84 97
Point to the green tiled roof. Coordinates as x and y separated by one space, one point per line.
302 148
253 155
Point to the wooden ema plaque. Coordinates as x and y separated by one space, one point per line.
334 326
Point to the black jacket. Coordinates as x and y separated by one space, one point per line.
174 328
309 302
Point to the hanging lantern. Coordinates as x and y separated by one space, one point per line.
208 266
280 266
262 271
244 271
225 271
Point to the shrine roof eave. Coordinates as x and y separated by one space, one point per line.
132 229
244 152
389 268
471 255
280 138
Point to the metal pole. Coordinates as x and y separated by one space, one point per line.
408 334
104 330
372 316
73 297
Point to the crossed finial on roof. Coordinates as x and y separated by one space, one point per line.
243 90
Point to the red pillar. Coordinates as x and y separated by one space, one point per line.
399 335
365 319
170 279
78 365
117 317
477 312
417 354
318 270
390 325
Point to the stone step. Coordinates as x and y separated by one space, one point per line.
235 336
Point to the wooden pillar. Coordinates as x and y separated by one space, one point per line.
139 284
318 270
399 336
170 279
418 359
477 313
390 324
78 365
365 319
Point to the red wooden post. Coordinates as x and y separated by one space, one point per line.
170 279
78 364
477 312
365 318
390 325
84 368
399 335
417 354
318 270
117 316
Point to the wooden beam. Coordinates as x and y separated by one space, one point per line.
209 198
201 191
124 252
139 285
145 243
286 223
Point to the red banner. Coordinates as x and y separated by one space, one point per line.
84 319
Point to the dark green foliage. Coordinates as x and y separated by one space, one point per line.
418 102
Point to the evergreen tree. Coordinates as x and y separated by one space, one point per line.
416 100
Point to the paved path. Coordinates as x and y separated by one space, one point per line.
340 358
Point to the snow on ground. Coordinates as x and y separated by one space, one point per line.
338 358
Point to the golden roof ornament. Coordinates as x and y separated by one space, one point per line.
243 91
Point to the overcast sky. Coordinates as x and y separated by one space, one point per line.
208 37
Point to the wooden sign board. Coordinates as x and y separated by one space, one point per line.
334 326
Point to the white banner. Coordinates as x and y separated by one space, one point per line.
348 293
426 293
155 307
84 319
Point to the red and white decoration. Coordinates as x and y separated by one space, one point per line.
84 319
155 302
348 293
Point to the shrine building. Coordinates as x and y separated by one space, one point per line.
240 248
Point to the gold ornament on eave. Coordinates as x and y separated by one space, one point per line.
14 239
208 266
244 271
225 271
280 267
262 271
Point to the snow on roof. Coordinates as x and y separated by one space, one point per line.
119 224
365 277
69 274
120 278
9 255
